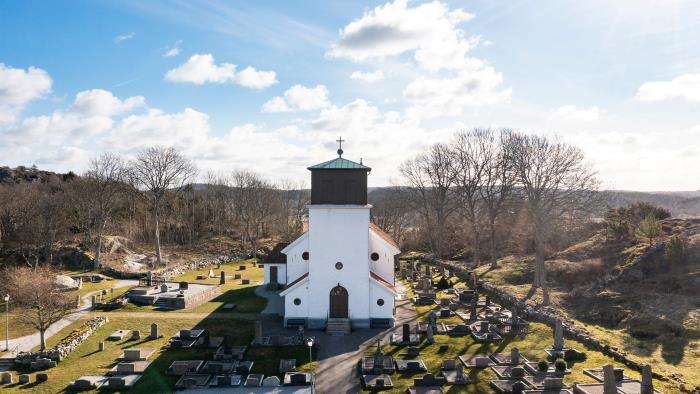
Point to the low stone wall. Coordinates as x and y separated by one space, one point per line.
541 314
67 344
175 270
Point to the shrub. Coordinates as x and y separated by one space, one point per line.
649 229
675 250
542 366
560 365
443 284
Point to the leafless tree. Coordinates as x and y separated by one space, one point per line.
557 186
158 170
293 200
431 178
36 293
255 200
104 185
391 213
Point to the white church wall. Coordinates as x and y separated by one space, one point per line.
385 311
338 233
281 273
384 266
296 265
293 311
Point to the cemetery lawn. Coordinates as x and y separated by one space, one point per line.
86 360
667 353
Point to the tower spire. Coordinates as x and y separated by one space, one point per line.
340 141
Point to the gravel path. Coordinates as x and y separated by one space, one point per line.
28 342
274 301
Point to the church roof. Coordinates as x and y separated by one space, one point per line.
382 234
276 256
340 164
294 283
382 282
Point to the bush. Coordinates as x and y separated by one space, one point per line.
560 365
543 366
443 284
675 250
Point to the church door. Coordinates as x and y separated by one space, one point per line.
273 274
338 303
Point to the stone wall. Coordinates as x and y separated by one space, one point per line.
67 344
175 270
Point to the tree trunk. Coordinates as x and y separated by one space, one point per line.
157 234
492 242
540 279
42 345
98 246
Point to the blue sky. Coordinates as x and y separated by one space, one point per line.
269 86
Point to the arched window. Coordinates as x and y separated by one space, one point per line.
374 256
305 255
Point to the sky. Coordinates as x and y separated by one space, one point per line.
269 86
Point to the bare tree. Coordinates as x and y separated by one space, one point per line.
557 184
391 213
103 181
158 170
36 292
293 200
255 203
431 178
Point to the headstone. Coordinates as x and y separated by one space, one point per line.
101 346
211 272
154 331
77 301
378 358
245 281
406 332
271 381
163 288
24 378
427 270
6 378
183 285
236 276
558 335
94 300
647 383
487 300
258 332
517 372
241 268
432 319
149 278
42 377
609 383
515 356
222 281
429 334
135 335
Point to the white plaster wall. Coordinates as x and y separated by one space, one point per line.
385 311
281 273
296 266
339 233
383 267
297 311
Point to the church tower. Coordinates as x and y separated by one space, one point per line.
338 236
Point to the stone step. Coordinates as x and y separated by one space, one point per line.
338 326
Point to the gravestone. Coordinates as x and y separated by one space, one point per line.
432 319
406 333
42 377
427 270
515 356
647 383
236 276
378 364
101 346
460 372
241 268
149 278
609 383
94 300
24 378
135 335
154 331
258 333
487 300
558 335
163 288
445 312
271 381
222 281
6 378
517 372
245 281
429 334
183 285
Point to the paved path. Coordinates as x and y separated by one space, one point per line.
28 342
337 370
274 301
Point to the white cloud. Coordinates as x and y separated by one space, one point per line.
686 86
173 50
200 69
369 76
18 87
123 37
572 112
430 30
104 103
299 98
433 97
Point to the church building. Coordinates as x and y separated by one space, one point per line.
340 273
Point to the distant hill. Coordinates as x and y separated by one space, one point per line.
23 174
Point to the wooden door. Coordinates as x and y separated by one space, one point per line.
338 303
273 274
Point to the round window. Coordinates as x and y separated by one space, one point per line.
297 301
380 302
339 265
305 255
374 256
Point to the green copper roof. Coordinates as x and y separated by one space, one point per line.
339 163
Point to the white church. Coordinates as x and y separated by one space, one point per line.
340 273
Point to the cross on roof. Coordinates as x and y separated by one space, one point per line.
340 141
